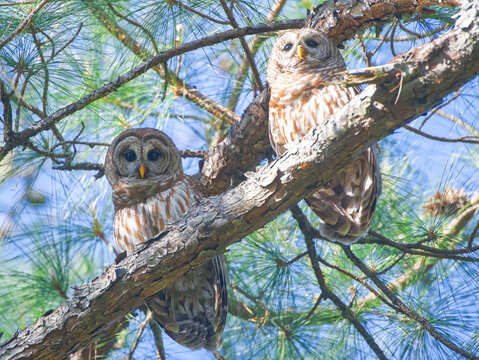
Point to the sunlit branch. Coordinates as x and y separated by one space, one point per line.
138 336
458 121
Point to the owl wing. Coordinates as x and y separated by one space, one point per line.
193 309
347 204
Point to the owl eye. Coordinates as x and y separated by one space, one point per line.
287 47
130 156
311 43
153 155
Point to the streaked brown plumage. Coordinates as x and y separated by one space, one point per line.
301 75
143 167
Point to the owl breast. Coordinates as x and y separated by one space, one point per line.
136 223
297 106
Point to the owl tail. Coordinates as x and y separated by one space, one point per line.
347 204
192 310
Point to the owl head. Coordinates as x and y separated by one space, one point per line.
301 51
142 154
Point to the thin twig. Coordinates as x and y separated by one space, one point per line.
186 7
426 325
160 349
463 139
138 336
249 55
458 121
436 109
24 24
328 293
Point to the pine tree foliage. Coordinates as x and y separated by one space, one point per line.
56 209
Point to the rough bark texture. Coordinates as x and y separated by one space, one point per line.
431 72
248 142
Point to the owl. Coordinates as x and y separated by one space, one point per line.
150 191
302 75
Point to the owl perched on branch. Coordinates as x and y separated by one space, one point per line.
143 167
302 71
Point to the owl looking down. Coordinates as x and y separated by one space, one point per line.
143 167
302 71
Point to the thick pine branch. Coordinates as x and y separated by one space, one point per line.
248 142
431 72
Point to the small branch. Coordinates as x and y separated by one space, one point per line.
404 309
24 24
193 153
246 50
138 336
463 139
82 166
253 48
160 349
190 9
326 291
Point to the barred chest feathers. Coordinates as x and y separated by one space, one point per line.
138 220
299 106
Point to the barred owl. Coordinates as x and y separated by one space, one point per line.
302 71
143 167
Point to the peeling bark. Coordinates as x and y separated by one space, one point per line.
428 73
248 143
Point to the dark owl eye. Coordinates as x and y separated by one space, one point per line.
130 156
153 155
311 43
287 47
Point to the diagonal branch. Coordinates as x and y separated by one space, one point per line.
248 142
403 308
244 45
21 137
220 221
181 88
24 23
325 290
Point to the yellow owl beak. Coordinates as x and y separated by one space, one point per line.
142 170
300 51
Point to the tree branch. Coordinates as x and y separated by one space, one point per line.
248 142
21 137
220 221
